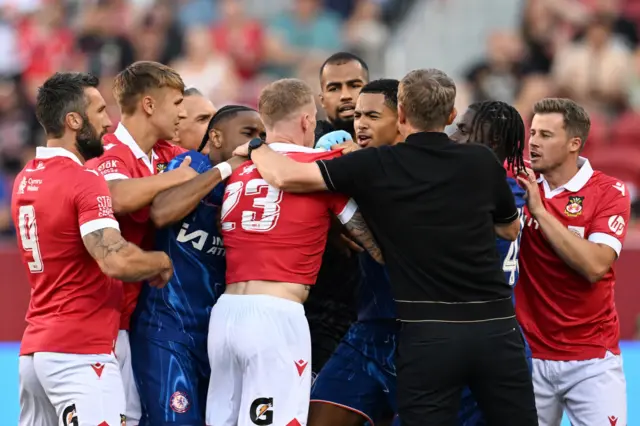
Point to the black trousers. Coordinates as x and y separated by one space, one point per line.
436 360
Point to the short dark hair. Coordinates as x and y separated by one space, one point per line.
342 58
506 131
192 91
576 120
225 113
385 86
62 93
428 97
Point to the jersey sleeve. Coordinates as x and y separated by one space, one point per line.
112 166
350 174
609 224
343 207
93 203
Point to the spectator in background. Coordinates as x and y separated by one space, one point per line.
597 71
307 28
623 29
239 37
206 69
499 76
365 33
107 50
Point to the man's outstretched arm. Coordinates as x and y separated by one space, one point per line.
286 174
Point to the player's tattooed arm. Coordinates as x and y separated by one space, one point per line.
359 230
125 261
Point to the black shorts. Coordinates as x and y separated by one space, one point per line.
436 360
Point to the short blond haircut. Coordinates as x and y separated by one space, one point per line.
576 119
282 98
139 78
428 97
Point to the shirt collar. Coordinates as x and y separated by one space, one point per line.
421 138
43 153
577 182
289 147
123 135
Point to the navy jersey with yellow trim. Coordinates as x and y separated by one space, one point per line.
180 311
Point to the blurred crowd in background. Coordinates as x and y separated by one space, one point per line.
229 49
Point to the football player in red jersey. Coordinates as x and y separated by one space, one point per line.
68 373
259 341
150 97
574 228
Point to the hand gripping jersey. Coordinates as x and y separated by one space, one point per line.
180 311
123 159
509 250
74 307
565 317
273 235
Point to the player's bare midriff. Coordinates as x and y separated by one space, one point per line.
290 291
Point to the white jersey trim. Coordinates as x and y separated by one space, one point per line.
98 224
348 211
115 176
607 240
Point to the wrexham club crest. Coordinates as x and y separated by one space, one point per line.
574 206
161 167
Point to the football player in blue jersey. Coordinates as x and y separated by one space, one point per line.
169 328
357 384
500 127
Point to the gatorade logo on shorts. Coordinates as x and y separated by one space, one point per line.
261 411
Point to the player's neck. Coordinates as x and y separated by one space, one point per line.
279 137
65 144
561 175
143 134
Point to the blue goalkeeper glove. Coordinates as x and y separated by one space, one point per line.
333 138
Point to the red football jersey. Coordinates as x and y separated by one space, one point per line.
273 235
564 317
123 159
74 307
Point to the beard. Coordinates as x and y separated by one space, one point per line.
343 124
88 141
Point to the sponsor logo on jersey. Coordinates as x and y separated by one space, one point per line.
616 224
574 206
22 186
179 402
261 411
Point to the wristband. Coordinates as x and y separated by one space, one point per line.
224 169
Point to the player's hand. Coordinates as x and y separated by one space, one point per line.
185 169
347 147
333 138
242 151
161 280
529 183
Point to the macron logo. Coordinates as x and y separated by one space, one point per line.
109 146
620 187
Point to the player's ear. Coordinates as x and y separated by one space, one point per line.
148 104
73 121
402 115
452 116
575 144
215 136
321 97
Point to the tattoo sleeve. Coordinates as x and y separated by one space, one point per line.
121 259
359 230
